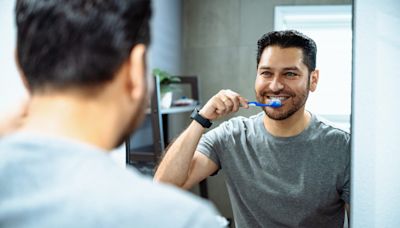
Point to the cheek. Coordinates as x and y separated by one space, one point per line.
259 85
299 86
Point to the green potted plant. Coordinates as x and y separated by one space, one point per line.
166 87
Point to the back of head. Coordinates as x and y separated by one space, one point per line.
290 39
77 43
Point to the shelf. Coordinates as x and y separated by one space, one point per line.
178 109
156 127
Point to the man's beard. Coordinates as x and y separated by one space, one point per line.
133 124
297 102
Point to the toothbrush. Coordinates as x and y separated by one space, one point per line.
272 104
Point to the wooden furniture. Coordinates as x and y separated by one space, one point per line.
145 147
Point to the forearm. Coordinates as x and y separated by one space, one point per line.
180 165
175 166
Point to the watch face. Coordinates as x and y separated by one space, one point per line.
194 113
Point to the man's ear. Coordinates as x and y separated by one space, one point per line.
137 71
314 80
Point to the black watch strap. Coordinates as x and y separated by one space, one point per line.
206 123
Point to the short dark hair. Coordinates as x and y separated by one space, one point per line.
77 43
289 39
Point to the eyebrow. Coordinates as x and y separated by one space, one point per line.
284 69
292 68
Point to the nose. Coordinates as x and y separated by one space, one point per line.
275 84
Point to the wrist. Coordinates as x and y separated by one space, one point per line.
200 118
201 112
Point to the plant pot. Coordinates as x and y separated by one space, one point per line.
166 99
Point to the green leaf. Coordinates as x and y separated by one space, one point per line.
165 77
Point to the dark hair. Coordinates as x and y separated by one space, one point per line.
289 39
77 43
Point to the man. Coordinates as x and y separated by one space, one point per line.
285 167
13 118
84 65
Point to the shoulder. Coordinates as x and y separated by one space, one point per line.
143 199
131 198
89 184
331 138
330 128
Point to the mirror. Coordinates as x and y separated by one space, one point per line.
220 46
216 40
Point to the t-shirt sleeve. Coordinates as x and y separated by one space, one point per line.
210 143
345 191
346 187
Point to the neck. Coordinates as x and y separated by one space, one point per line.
291 126
86 120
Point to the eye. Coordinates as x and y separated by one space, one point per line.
265 73
290 74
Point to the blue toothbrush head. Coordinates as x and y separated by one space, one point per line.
275 104
272 104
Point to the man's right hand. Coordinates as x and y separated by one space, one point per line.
222 104
182 165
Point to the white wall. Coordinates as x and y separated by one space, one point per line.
11 88
375 121
330 26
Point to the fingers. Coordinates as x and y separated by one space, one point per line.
229 101
223 103
243 102
219 105
224 98
236 99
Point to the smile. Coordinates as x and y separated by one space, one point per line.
281 98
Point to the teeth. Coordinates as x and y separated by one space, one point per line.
278 98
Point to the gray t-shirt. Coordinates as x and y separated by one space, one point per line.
299 181
56 182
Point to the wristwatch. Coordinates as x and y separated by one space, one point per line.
206 123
